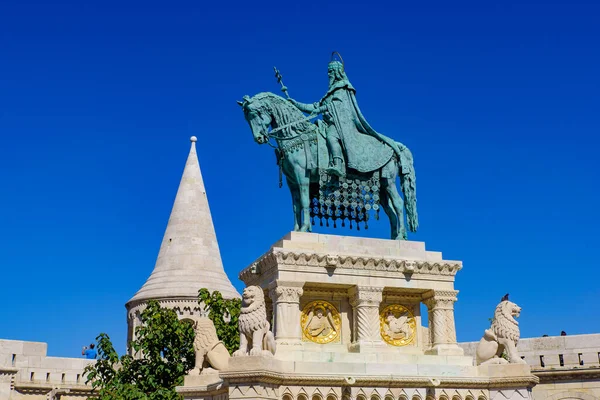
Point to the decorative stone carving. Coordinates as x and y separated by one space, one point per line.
286 303
503 335
211 353
275 257
365 300
284 294
442 329
321 322
366 296
398 325
255 336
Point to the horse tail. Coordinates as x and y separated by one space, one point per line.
408 182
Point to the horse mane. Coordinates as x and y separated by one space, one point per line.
283 111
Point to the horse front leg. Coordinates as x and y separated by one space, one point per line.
296 206
304 185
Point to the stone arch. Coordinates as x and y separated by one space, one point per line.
361 397
575 395
481 397
187 319
388 397
443 396
375 397
416 396
331 397
287 396
456 397
302 396
317 397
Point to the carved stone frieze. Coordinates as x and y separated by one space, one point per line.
279 256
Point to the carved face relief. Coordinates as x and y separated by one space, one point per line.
398 325
320 322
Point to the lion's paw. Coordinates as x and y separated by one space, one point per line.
256 351
239 353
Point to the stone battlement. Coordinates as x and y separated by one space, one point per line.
555 352
31 371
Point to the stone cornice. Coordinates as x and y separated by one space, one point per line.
8 370
278 256
270 377
45 387
550 375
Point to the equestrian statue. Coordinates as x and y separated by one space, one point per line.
338 168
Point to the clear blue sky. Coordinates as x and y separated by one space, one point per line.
498 100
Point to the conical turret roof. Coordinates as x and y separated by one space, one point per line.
189 256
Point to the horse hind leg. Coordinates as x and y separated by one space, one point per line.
391 213
398 205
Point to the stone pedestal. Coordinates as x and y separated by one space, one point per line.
347 322
330 293
272 379
203 387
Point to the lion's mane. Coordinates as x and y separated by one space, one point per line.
253 316
206 335
504 325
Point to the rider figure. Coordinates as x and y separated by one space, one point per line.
347 128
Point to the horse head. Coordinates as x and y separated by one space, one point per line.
258 116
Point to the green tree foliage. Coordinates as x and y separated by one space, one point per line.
224 313
166 346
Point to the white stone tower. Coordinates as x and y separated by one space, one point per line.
189 258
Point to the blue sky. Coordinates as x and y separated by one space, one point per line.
498 101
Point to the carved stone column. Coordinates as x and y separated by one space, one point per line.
286 310
365 301
442 330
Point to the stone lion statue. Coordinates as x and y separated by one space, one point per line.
503 335
256 338
211 353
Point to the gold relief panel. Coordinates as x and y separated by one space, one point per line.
320 322
398 325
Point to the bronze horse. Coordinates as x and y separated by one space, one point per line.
268 114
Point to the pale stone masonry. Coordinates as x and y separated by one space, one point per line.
568 366
189 258
26 372
347 326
